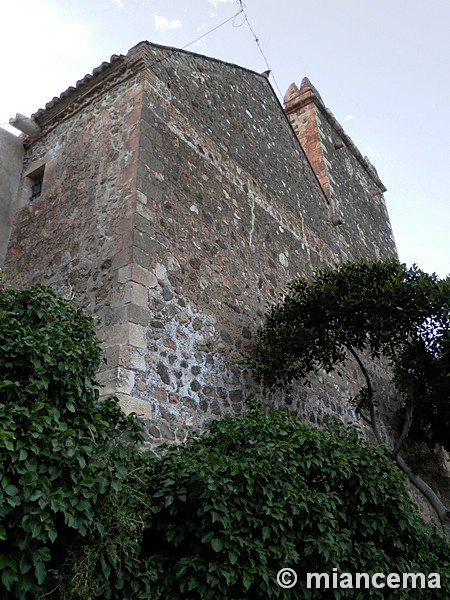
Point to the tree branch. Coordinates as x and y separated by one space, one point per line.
374 424
365 419
442 512
370 393
363 370
405 431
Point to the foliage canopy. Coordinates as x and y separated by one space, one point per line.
263 491
383 308
64 455
370 309
84 514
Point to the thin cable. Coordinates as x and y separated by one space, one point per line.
214 28
160 60
259 46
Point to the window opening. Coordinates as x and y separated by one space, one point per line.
36 187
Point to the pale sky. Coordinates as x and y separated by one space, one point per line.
382 67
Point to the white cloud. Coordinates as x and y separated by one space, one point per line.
216 2
348 118
118 3
163 23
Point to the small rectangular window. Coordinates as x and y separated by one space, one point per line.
36 184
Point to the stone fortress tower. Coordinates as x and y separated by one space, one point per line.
172 196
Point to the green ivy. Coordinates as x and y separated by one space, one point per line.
65 456
262 492
84 514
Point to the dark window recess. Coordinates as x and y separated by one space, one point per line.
36 188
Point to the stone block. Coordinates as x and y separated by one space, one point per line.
107 380
112 356
143 224
130 313
145 241
141 257
125 381
138 294
135 405
137 274
115 335
137 314
122 258
144 211
124 274
131 358
130 293
141 275
137 335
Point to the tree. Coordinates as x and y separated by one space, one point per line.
367 310
264 491
67 459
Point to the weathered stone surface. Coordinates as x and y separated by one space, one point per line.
11 163
177 219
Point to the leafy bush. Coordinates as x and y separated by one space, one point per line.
262 492
64 455
84 514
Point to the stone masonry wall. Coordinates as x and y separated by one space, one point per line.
228 211
70 237
11 159
177 203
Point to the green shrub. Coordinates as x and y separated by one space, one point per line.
263 492
84 514
64 455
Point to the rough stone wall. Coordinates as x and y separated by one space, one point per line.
228 211
177 203
11 160
348 180
72 236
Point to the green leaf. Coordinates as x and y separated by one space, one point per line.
11 490
217 544
9 577
116 485
40 571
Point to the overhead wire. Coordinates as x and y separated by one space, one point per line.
233 17
246 20
242 10
214 29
